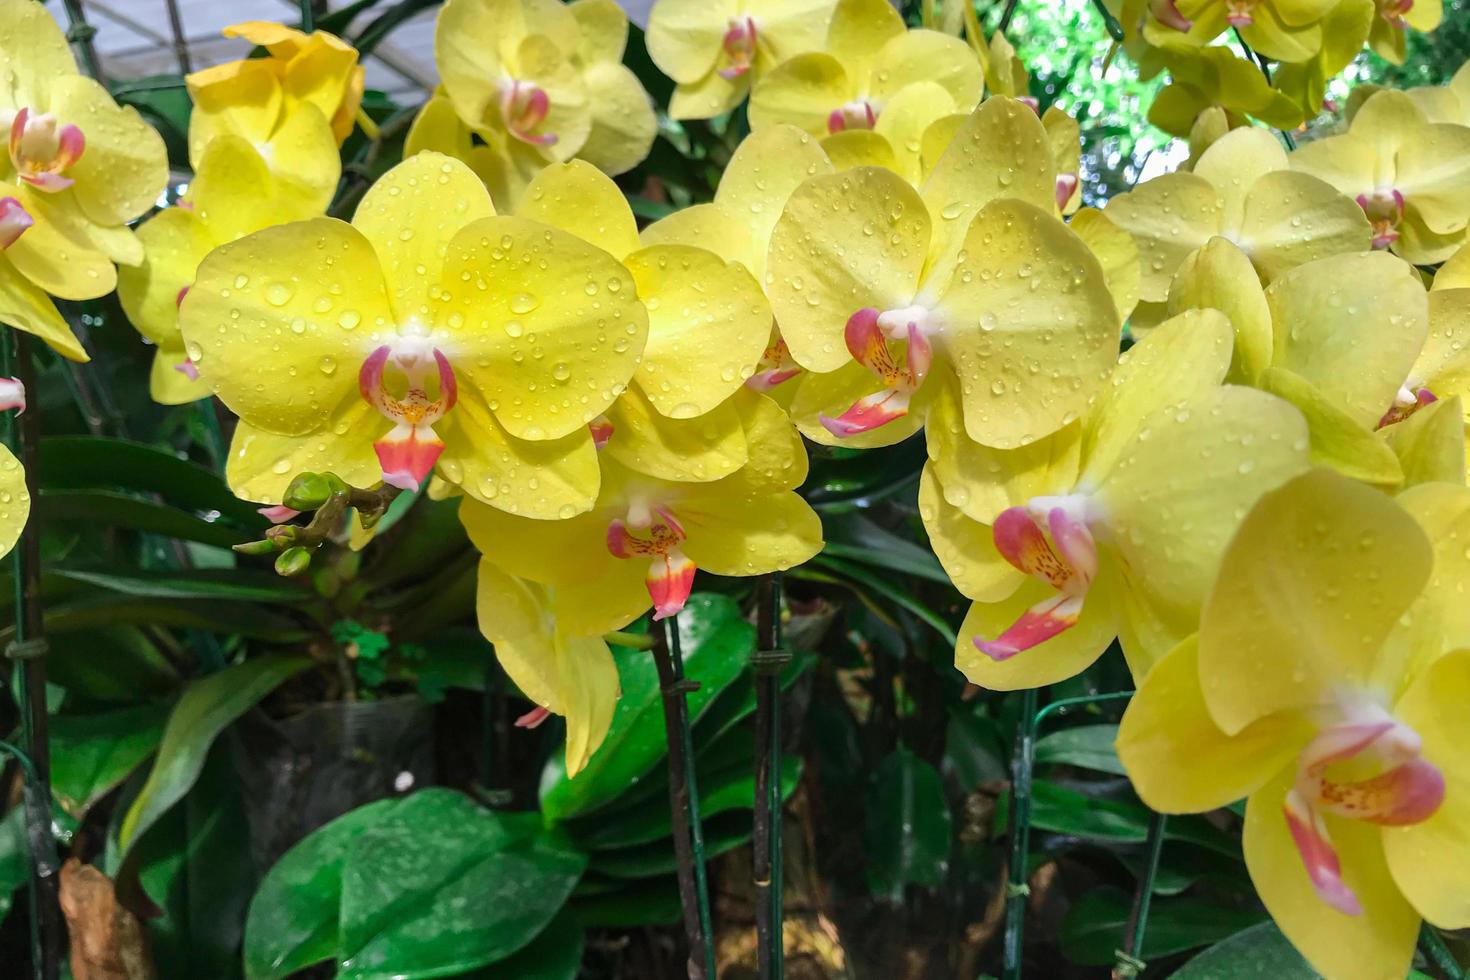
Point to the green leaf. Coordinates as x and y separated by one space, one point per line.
428 885
856 537
1086 746
973 749
716 643
908 830
556 954
727 789
897 594
292 922
118 665
92 463
114 509
722 833
195 864
1258 953
220 583
104 610
15 858
91 754
1066 811
646 902
1093 928
488 885
206 707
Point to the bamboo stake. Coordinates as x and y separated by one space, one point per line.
766 864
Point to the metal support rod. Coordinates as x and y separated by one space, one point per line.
1006 15
27 652
684 800
1435 950
1130 955
181 41
766 863
1017 889
80 34
308 16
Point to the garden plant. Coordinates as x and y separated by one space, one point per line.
740 488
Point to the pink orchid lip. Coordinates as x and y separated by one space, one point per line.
523 107
1167 13
1408 401
670 576
602 431
188 369
1396 11
14 220
738 44
408 452
1066 187
1408 790
1385 210
12 395
867 334
42 150
775 368
1048 539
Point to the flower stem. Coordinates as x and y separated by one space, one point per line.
27 651
766 870
684 800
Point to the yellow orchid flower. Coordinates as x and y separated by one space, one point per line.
15 496
643 540
318 68
568 675
505 164
623 121
1344 30
876 286
1005 74
1286 30
1242 189
1327 686
1394 20
1216 78
761 176
486 344
1448 103
294 107
1455 272
1410 176
1112 527
1336 337
715 49
232 195
863 74
708 325
78 168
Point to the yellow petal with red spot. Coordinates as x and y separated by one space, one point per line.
548 479
1377 944
965 547
1351 325
818 396
171 377
125 167
1430 860
708 324
1029 309
1430 444
409 215
684 38
262 464
1178 761
1064 655
1313 581
707 447
251 318
844 242
550 348
1184 357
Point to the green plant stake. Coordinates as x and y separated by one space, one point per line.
1130 956
684 800
31 897
766 864
28 652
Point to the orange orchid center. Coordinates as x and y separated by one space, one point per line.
739 47
1410 398
1395 12
1166 13
411 448
654 533
14 220
1049 539
1332 778
857 114
1385 209
523 107
868 334
42 150
775 367
1240 13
